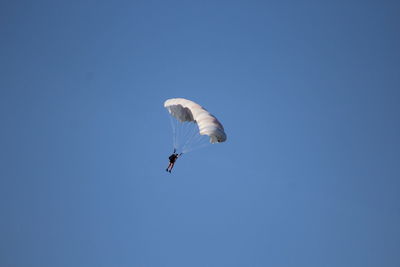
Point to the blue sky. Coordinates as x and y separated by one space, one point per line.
308 92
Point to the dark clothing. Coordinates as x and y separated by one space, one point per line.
173 158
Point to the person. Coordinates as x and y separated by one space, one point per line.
174 156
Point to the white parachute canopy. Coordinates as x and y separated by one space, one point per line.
191 123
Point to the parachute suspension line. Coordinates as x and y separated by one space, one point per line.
178 132
198 142
174 126
186 136
192 133
197 147
182 134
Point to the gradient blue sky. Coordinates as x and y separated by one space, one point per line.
308 92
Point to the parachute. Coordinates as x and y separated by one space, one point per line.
193 126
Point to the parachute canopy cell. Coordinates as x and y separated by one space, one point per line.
188 111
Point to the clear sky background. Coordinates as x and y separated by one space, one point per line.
308 92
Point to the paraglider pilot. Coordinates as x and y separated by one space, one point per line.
174 156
